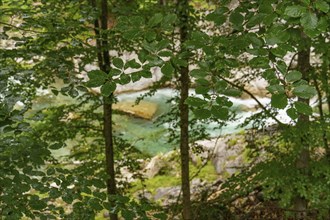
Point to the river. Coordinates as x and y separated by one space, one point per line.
145 134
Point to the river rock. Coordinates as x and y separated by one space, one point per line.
154 166
169 195
226 153
144 109
162 161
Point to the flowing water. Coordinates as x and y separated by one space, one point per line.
145 134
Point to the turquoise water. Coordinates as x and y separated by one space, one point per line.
153 139
145 134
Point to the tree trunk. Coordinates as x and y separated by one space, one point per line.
107 111
184 114
302 162
109 150
104 65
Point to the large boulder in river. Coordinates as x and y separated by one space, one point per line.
144 109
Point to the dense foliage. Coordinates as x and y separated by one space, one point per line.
214 47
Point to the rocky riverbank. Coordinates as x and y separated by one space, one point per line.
218 159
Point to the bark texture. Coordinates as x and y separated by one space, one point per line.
100 29
303 159
184 115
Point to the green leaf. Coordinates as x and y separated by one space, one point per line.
232 92
282 67
202 81
260 62
293 76
131 33
165 53
73 93
202 90
255 40
304 91
169 19
198 73
142 55
50 171
136 76
163 44
266 7
108 88
55 92
115 72
37 204
56 146
276 89
279 52
67 197
217 18
221 85
125 79
295 11
279 101
167 69
54 193
180 62
153 61
236 18
128 214
146 73
160 216
195 101
100 195
202 113
220 112
82 88
132 64
155 20
117 62
278 33
309 20
209 50
96 78
303 108
95 204
137 20
292 113
98 183
151 47
224 101
322 6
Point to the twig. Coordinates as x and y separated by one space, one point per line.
27 30
291 61
253 97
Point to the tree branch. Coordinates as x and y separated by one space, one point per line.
253 97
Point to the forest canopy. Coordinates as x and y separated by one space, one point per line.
131 109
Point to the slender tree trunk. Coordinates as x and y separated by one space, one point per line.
184 115
184 144
303 159
104 65
107 111
109 150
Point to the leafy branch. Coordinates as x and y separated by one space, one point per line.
253 97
